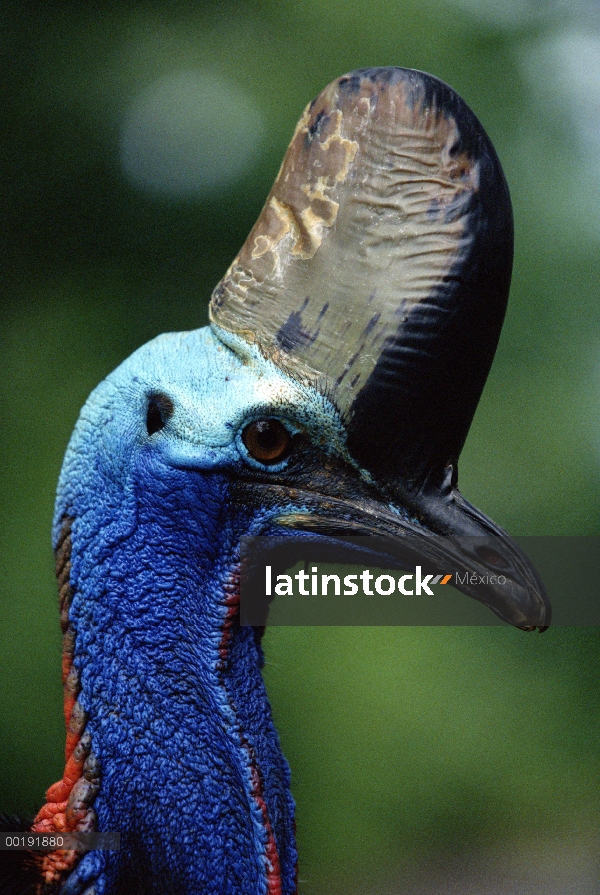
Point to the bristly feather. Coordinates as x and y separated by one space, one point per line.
19 870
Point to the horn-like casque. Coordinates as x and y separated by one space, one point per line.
380 266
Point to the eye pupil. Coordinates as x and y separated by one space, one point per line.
268 441
160 408
268 436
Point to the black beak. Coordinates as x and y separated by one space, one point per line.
442 532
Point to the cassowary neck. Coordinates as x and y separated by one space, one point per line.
176 714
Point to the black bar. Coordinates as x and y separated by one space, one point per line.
63 841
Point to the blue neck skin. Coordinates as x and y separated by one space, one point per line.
192 773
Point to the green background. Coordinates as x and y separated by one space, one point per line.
421 757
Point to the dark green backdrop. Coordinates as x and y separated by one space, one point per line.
418 755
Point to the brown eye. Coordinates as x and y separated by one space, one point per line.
268 441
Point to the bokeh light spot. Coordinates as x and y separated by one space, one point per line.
189 134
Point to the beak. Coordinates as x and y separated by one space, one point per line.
436 528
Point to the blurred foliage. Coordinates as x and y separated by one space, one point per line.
406 744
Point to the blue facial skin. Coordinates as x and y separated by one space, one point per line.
192 774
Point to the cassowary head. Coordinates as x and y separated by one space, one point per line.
349 343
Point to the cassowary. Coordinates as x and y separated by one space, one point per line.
348 347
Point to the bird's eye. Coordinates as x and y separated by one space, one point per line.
160 408
267 441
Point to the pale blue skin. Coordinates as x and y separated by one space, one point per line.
155 539
218 385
